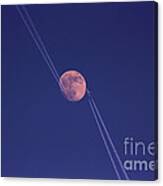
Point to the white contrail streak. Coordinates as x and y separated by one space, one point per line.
91 99
37 39
41 42
110 140
104 140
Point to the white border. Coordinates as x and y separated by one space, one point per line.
61 1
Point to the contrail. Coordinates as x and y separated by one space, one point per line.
104 140
38 41
100 123
107 135
41 42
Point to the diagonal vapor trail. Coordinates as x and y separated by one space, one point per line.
110 140
37 39
41 42
108 136
104 140
28 22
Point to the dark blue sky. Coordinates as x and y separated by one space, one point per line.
112 45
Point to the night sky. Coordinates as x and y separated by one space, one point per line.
112 45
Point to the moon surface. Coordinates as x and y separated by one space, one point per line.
73 85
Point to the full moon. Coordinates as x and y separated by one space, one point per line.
73 85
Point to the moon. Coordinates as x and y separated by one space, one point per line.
73 85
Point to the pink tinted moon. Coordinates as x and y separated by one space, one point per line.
73 85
